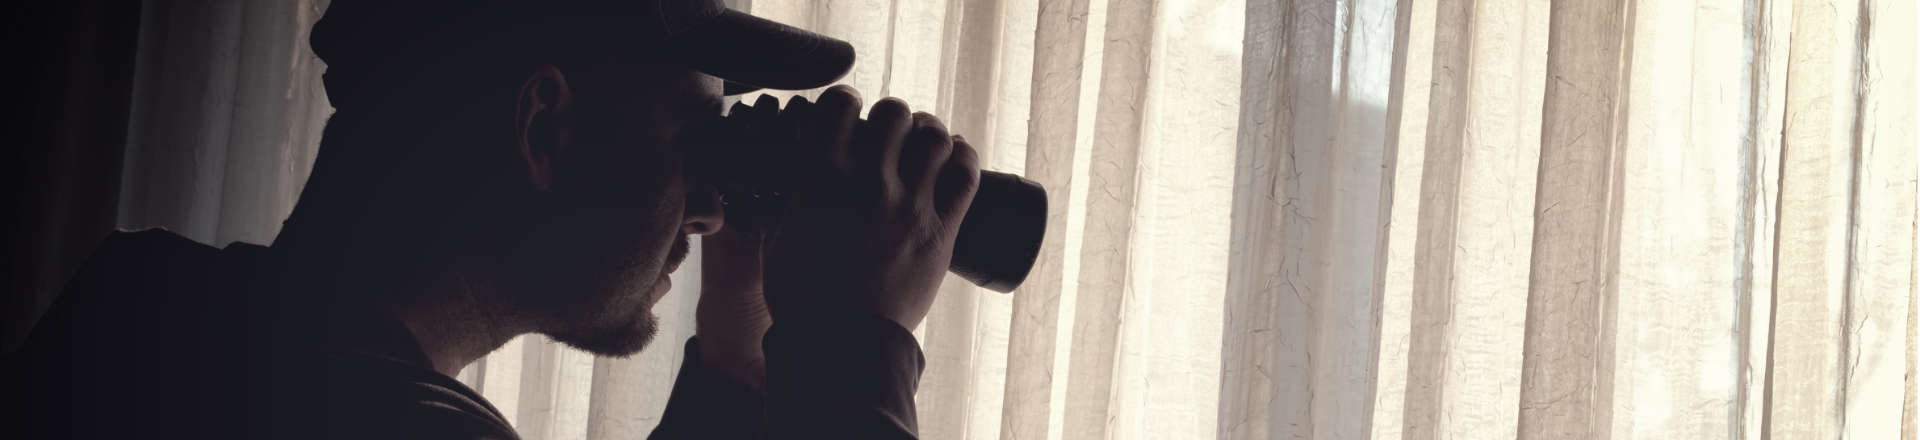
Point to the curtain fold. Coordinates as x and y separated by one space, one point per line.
226 117
1632 219
62 170
1289 218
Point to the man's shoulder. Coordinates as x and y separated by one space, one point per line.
161 334
139 335
146 274
147 259
370 396
151 242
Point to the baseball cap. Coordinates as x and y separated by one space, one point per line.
359 39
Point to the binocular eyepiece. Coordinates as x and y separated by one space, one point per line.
748 156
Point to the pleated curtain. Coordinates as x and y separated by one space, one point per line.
1330 219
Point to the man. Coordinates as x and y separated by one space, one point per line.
497 168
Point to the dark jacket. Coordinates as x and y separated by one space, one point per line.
162 337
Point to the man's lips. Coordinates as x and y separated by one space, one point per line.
676 255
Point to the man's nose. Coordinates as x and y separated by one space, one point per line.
704 213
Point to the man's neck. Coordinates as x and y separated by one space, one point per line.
453 324
442 300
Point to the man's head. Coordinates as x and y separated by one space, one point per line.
602 200
536 145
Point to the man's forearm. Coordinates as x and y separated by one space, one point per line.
706 404
851 377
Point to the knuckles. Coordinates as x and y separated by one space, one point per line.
932 138
931 135
839 101
953 161
889 112
929 124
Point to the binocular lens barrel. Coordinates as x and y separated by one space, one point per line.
747 152
1000 237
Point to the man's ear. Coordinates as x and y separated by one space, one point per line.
543 123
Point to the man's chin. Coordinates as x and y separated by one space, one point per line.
616 342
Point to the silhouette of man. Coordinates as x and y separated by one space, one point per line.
498 168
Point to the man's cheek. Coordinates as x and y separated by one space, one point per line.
609 165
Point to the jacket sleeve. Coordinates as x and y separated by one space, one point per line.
842 377
704 404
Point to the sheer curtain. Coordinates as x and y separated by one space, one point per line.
1275 219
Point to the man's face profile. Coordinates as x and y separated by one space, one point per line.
611 200
552 191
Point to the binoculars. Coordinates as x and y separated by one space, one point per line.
748 154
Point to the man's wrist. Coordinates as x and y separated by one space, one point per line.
798 339
743 366
729 325
849 374
707 403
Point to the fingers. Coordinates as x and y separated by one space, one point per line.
766 103
766 110
894 151
834 118
876 154
760 117
927 147
958 179
796 120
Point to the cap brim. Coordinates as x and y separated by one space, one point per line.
752 53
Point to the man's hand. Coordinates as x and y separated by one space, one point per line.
870 225
732 314
731 317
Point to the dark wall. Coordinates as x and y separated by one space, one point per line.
71 64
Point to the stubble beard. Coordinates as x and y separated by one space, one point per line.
635 324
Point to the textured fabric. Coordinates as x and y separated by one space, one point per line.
1588 219
1305 218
